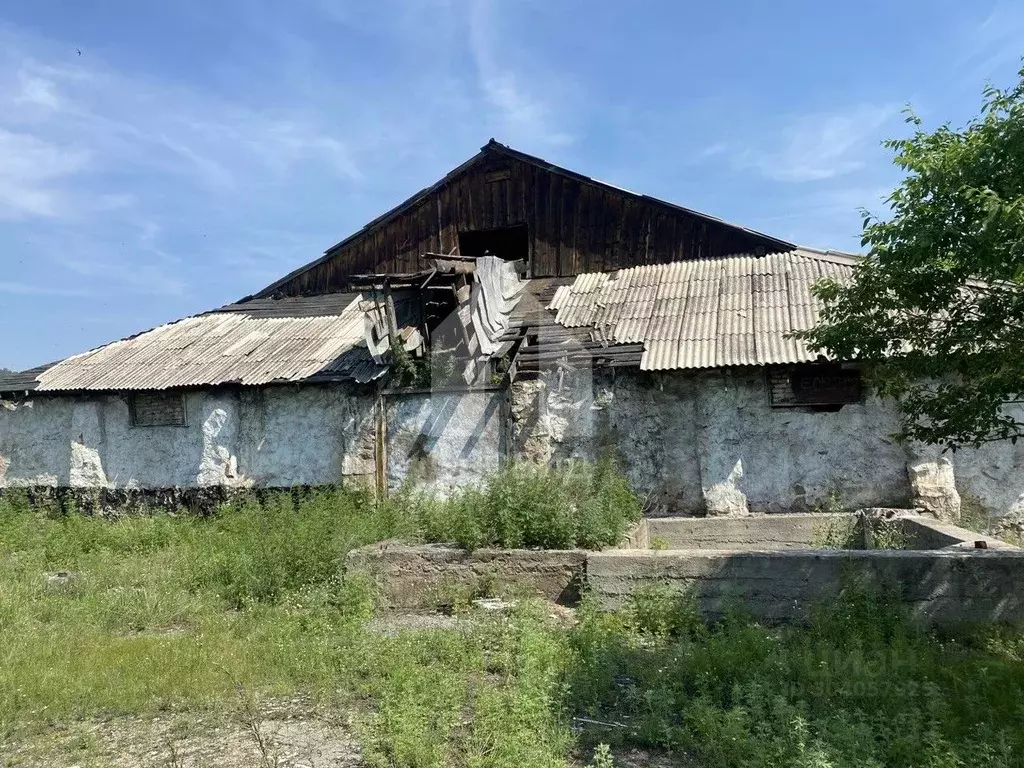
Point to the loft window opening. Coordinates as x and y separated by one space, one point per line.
508 243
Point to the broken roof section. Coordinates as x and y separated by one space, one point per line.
316 339
710 313
737 310
333 337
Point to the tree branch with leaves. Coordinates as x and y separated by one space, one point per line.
936 309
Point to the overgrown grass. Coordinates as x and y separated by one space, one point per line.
859 687
579 505
167 612
260 547
164 613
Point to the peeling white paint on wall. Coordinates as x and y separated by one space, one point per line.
35 443
86 468
443 441
302 435
933 483
711 443
218 465
282 436
704 442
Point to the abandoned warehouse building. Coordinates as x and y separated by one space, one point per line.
514 310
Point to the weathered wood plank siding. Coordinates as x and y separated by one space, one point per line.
575 225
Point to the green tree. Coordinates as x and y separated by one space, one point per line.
936 310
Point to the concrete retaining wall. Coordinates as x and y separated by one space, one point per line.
416 576
939 587
769 568
928 533
765 532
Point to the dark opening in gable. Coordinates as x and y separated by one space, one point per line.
509 243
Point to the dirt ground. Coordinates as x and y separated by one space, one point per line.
292 735
284 733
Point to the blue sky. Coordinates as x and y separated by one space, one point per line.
159 159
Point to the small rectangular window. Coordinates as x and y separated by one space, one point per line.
815 384
157 409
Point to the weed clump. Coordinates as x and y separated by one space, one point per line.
578 505
261 547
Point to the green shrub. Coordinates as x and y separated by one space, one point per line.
662 611
264 545
578 505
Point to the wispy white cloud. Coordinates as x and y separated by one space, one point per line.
31 174
522 110
122 183
824 218
818 146
37 90
994 44
113 161
713 150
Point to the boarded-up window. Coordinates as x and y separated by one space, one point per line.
827 384
157 409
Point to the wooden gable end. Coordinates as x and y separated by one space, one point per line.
574 225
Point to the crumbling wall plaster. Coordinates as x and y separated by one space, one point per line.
799 459
87 438
529 434
706 442
308 435
553 419
637 421
35 445
933 482
198 454
279 436
991 476
651 423
444 440
710 442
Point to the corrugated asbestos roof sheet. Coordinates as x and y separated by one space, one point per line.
260 342
704 314
298 306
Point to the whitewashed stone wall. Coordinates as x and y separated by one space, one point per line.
707 442
35 443
710 442
444 440
278 436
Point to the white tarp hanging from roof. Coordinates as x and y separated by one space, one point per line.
494 295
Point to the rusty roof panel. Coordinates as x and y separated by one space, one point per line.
700 314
